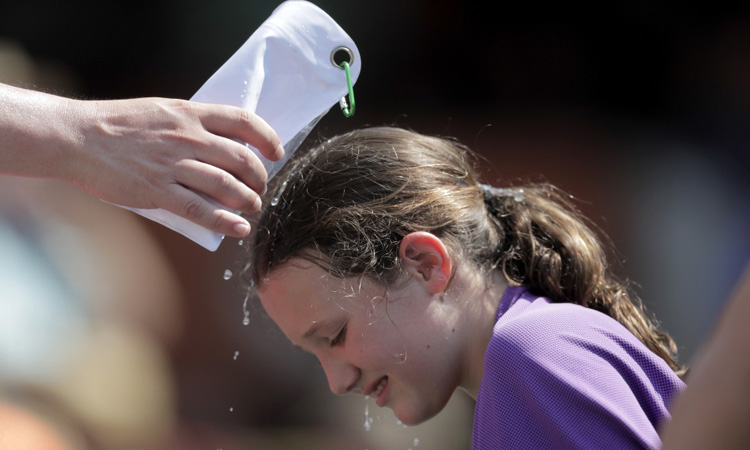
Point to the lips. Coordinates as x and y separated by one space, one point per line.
380 386
376 391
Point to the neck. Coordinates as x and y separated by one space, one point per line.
482 303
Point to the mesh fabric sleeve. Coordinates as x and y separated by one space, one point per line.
562 376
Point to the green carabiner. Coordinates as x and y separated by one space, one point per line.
347 110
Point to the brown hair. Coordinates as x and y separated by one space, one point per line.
347 204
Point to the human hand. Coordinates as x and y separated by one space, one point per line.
174 155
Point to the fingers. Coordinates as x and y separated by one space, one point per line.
188 204
237 160
237 123
215 171
221 185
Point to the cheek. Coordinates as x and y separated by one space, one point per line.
379 343
391 333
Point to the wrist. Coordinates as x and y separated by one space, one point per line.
71 138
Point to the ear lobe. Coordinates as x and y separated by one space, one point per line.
426 258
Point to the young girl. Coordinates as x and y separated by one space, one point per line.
382 255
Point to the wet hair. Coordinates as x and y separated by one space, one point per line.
347 204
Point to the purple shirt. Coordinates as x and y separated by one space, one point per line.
559 376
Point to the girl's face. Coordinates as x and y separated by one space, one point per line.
404 351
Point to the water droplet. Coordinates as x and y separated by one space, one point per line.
368 423
245 81
245 312
416 442
266 280
231 409
236 354
241 242
274 201
227 274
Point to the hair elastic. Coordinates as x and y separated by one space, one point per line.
491 192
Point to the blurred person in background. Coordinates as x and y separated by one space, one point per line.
714 411
90 305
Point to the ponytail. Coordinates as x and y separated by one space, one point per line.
544 243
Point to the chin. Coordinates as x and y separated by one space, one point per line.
416 414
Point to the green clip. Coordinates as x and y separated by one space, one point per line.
347 110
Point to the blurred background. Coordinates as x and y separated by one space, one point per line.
116 333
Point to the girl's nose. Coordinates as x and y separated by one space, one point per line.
342 376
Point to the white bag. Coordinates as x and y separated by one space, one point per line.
285 73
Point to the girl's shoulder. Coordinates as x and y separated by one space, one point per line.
535 328
526 313
574 377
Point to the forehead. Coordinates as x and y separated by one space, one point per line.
300 293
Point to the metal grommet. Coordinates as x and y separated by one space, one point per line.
337 53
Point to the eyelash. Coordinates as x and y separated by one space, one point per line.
339 337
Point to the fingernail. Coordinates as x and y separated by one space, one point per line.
241 228
279 152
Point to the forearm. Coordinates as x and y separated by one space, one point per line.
39 133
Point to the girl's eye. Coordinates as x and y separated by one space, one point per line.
339 337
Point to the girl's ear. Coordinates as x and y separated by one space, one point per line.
425 257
